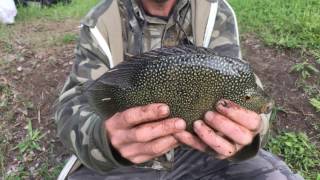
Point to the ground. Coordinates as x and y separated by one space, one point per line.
34 66
273 66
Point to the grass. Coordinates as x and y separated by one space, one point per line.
6 101
76 9
59 12
309 81
44 171
299 153
292 24
69 38
275 111
50 173
31 141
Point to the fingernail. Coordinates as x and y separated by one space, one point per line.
209 115
164 109
180 124
222 104
197 124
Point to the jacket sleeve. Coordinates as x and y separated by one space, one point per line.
225 41
79 128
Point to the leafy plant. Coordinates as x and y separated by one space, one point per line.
31 141
315 103
298 152
275 111
305 69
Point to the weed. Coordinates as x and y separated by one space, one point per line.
7 47
3 152
275 111
31 141
49 173
305 69
5 97
69 38
20 174
296 147
315 103
316 54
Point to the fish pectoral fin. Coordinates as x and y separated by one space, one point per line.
100 98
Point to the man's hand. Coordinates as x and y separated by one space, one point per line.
139 136
226 131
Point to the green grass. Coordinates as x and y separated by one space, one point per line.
298 152
51 173
42 171
76 9
60 12
31 141
69 38
284 23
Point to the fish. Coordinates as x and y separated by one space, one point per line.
189 79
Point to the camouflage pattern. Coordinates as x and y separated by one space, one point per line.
192 165
79 128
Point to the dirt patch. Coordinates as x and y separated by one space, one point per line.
35 71
273 67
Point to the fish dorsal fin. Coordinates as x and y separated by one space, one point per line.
122 75
172 51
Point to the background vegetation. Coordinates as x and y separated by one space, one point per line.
292 25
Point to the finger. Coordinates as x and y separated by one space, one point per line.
152 149
190 140
238 148
151 131
227 127
215 142
244 117
141 114
140 159
159 146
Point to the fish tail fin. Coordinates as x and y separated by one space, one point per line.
101 99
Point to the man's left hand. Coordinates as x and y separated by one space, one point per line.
226 131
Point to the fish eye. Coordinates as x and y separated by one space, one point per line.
247 98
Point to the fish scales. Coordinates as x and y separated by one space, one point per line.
191 80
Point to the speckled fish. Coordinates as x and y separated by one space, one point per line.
189 79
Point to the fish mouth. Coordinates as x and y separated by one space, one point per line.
267 108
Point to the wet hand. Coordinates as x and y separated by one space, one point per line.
139 135
229 129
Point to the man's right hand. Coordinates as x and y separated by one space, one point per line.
139 135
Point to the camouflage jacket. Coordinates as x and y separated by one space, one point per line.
114 29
